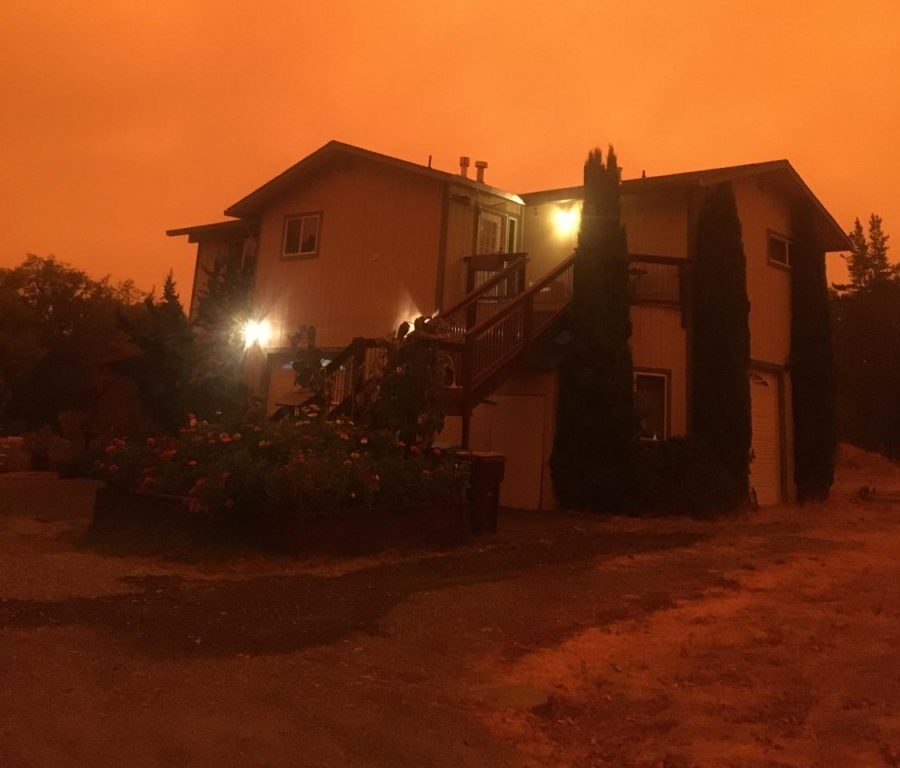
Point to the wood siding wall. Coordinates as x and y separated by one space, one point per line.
377 260
762 209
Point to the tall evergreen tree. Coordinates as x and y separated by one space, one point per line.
720 337
879 266
162 372
867 344
858 259
868 262
596 426
217 382
812 364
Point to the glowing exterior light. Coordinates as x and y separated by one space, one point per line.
566 221
256 332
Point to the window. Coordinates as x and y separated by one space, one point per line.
651 405
488 233
779 250
301 235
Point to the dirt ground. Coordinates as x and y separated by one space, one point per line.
769 640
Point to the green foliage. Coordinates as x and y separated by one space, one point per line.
720 338
58 326
811 364
867 358
867 344
410 397
596 427
216 384
162 372
682 476
309 466
868 262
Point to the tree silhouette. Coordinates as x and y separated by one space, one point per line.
596 428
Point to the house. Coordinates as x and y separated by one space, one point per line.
355 242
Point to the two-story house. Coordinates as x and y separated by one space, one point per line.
355 242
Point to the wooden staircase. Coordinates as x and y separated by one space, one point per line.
485 340
486 334
480 339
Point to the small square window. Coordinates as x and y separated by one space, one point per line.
650 403
301 235
779 250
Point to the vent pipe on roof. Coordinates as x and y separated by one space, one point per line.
464 167
480 165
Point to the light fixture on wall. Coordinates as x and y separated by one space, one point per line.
566 220
256 332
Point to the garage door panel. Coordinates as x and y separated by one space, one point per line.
765 467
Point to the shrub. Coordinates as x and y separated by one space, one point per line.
683 475
308 466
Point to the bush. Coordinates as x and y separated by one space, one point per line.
684 476
309 466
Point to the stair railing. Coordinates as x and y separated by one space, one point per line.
498 340
477 305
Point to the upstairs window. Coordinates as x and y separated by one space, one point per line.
779 250
488 240
301 235
651 402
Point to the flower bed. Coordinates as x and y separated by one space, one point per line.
290 485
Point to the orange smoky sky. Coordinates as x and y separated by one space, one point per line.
120 120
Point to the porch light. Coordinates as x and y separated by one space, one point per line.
566 220
256 332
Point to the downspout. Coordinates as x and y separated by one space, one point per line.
442 248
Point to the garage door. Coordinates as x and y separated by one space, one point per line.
765 467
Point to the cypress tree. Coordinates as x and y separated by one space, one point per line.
596 426
812 364
720 338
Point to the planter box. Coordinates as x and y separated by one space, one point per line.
358 531
142 522
153 523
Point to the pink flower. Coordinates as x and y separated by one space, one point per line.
236 436
414 450
151 442
263 443
354 455
225 476
229 503
111 449
426 472
113 468
192 463
436 451
224 437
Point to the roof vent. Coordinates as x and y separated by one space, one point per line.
464 167
480 165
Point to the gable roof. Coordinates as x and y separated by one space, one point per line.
220 230
832 236
252 204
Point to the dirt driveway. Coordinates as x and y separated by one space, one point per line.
769 640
